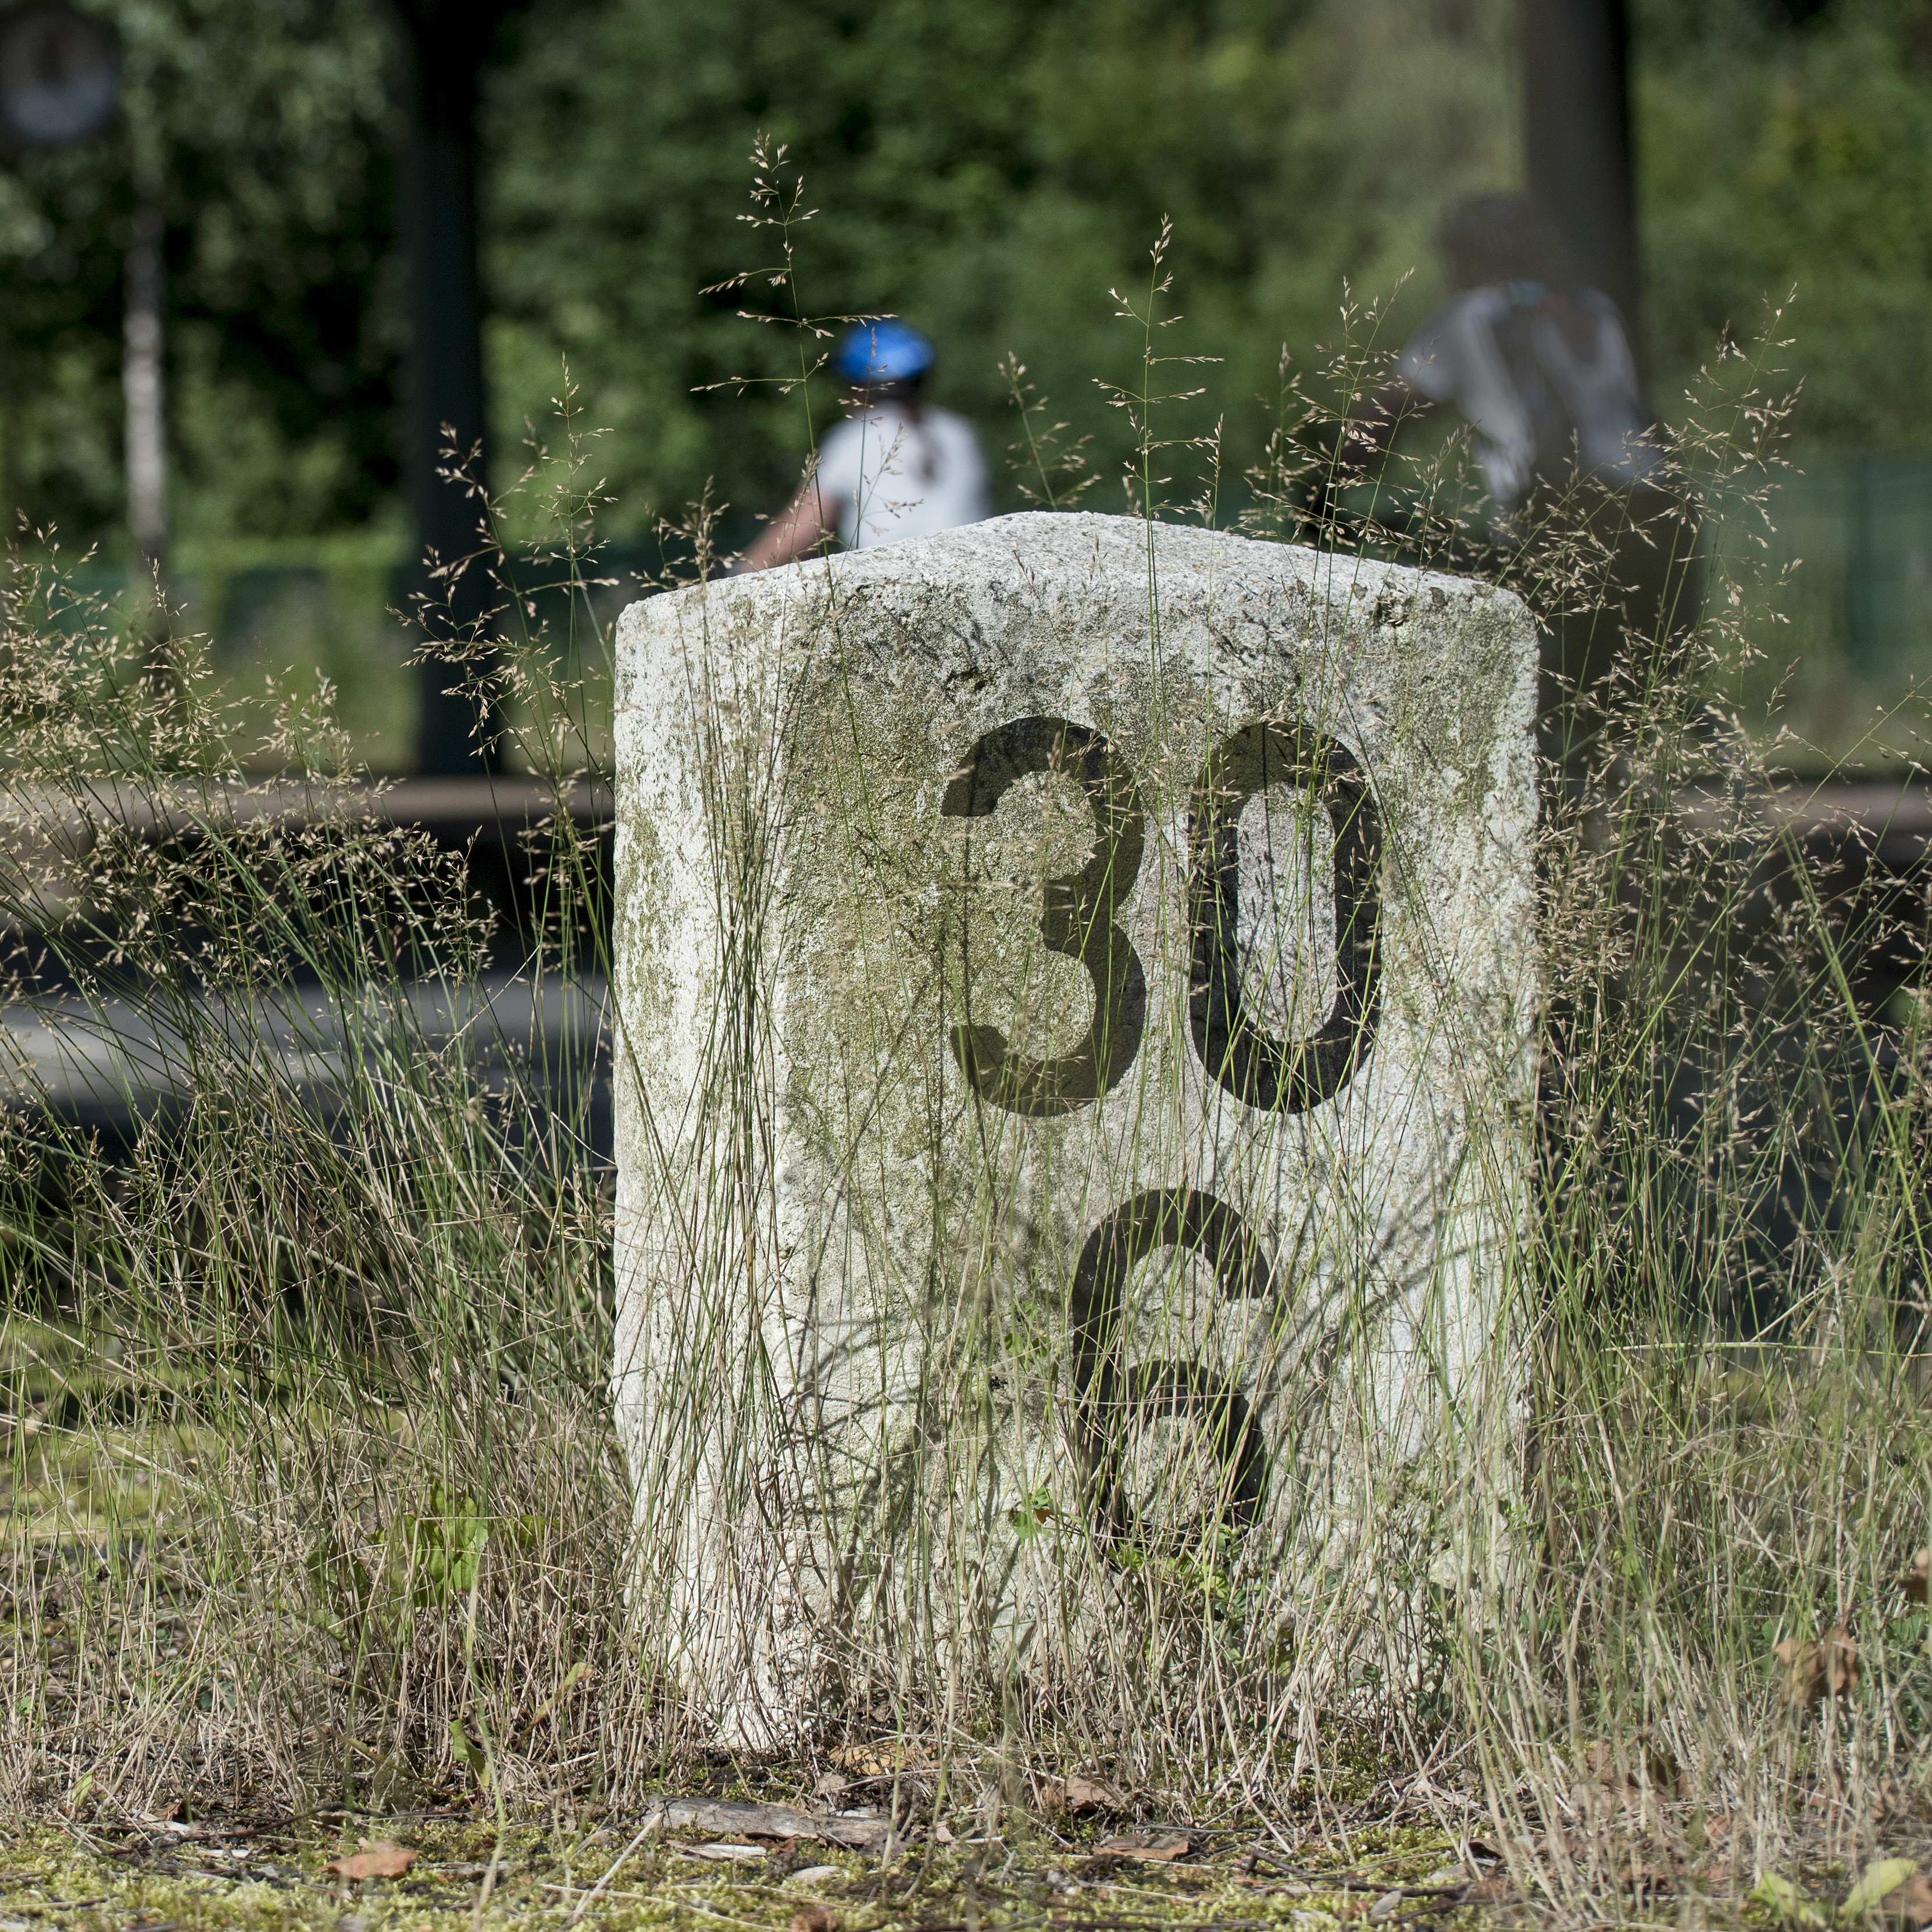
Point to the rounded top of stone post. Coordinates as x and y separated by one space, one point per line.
1072 547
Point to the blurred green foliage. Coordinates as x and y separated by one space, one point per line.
1776 154
990 171
266 123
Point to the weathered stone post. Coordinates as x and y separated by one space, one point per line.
1075 982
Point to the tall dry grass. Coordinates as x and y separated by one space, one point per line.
324 1503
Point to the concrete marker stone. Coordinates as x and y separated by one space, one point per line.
1075 985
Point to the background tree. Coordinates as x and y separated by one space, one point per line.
273 119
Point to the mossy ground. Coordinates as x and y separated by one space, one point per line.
94 1876
271 1874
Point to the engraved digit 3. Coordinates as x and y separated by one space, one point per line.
1076 918
1163 1217
1291 1075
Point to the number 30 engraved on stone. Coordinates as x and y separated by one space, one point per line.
1284 1075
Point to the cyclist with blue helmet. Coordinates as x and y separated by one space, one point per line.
896 467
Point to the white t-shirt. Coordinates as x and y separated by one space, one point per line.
1544 378
887 474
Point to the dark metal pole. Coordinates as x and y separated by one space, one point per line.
443 47
1577 139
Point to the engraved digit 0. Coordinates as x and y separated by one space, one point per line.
1077 918
1291 1075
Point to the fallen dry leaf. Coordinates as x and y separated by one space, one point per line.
1647 1880
378 1858
1077 1793
1813 1672
1161 1851
884 1760
1627 1770
1910 1903
1913 1581
814 1918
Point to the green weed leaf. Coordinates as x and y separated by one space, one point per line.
1793 1905
1032 1514
469 1754
1879 1879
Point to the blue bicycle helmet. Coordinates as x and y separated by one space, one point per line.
888 350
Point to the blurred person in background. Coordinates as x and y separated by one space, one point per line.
1540 368
1542 372
896 467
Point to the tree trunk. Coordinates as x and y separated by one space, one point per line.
1576 136
443 47
143 342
